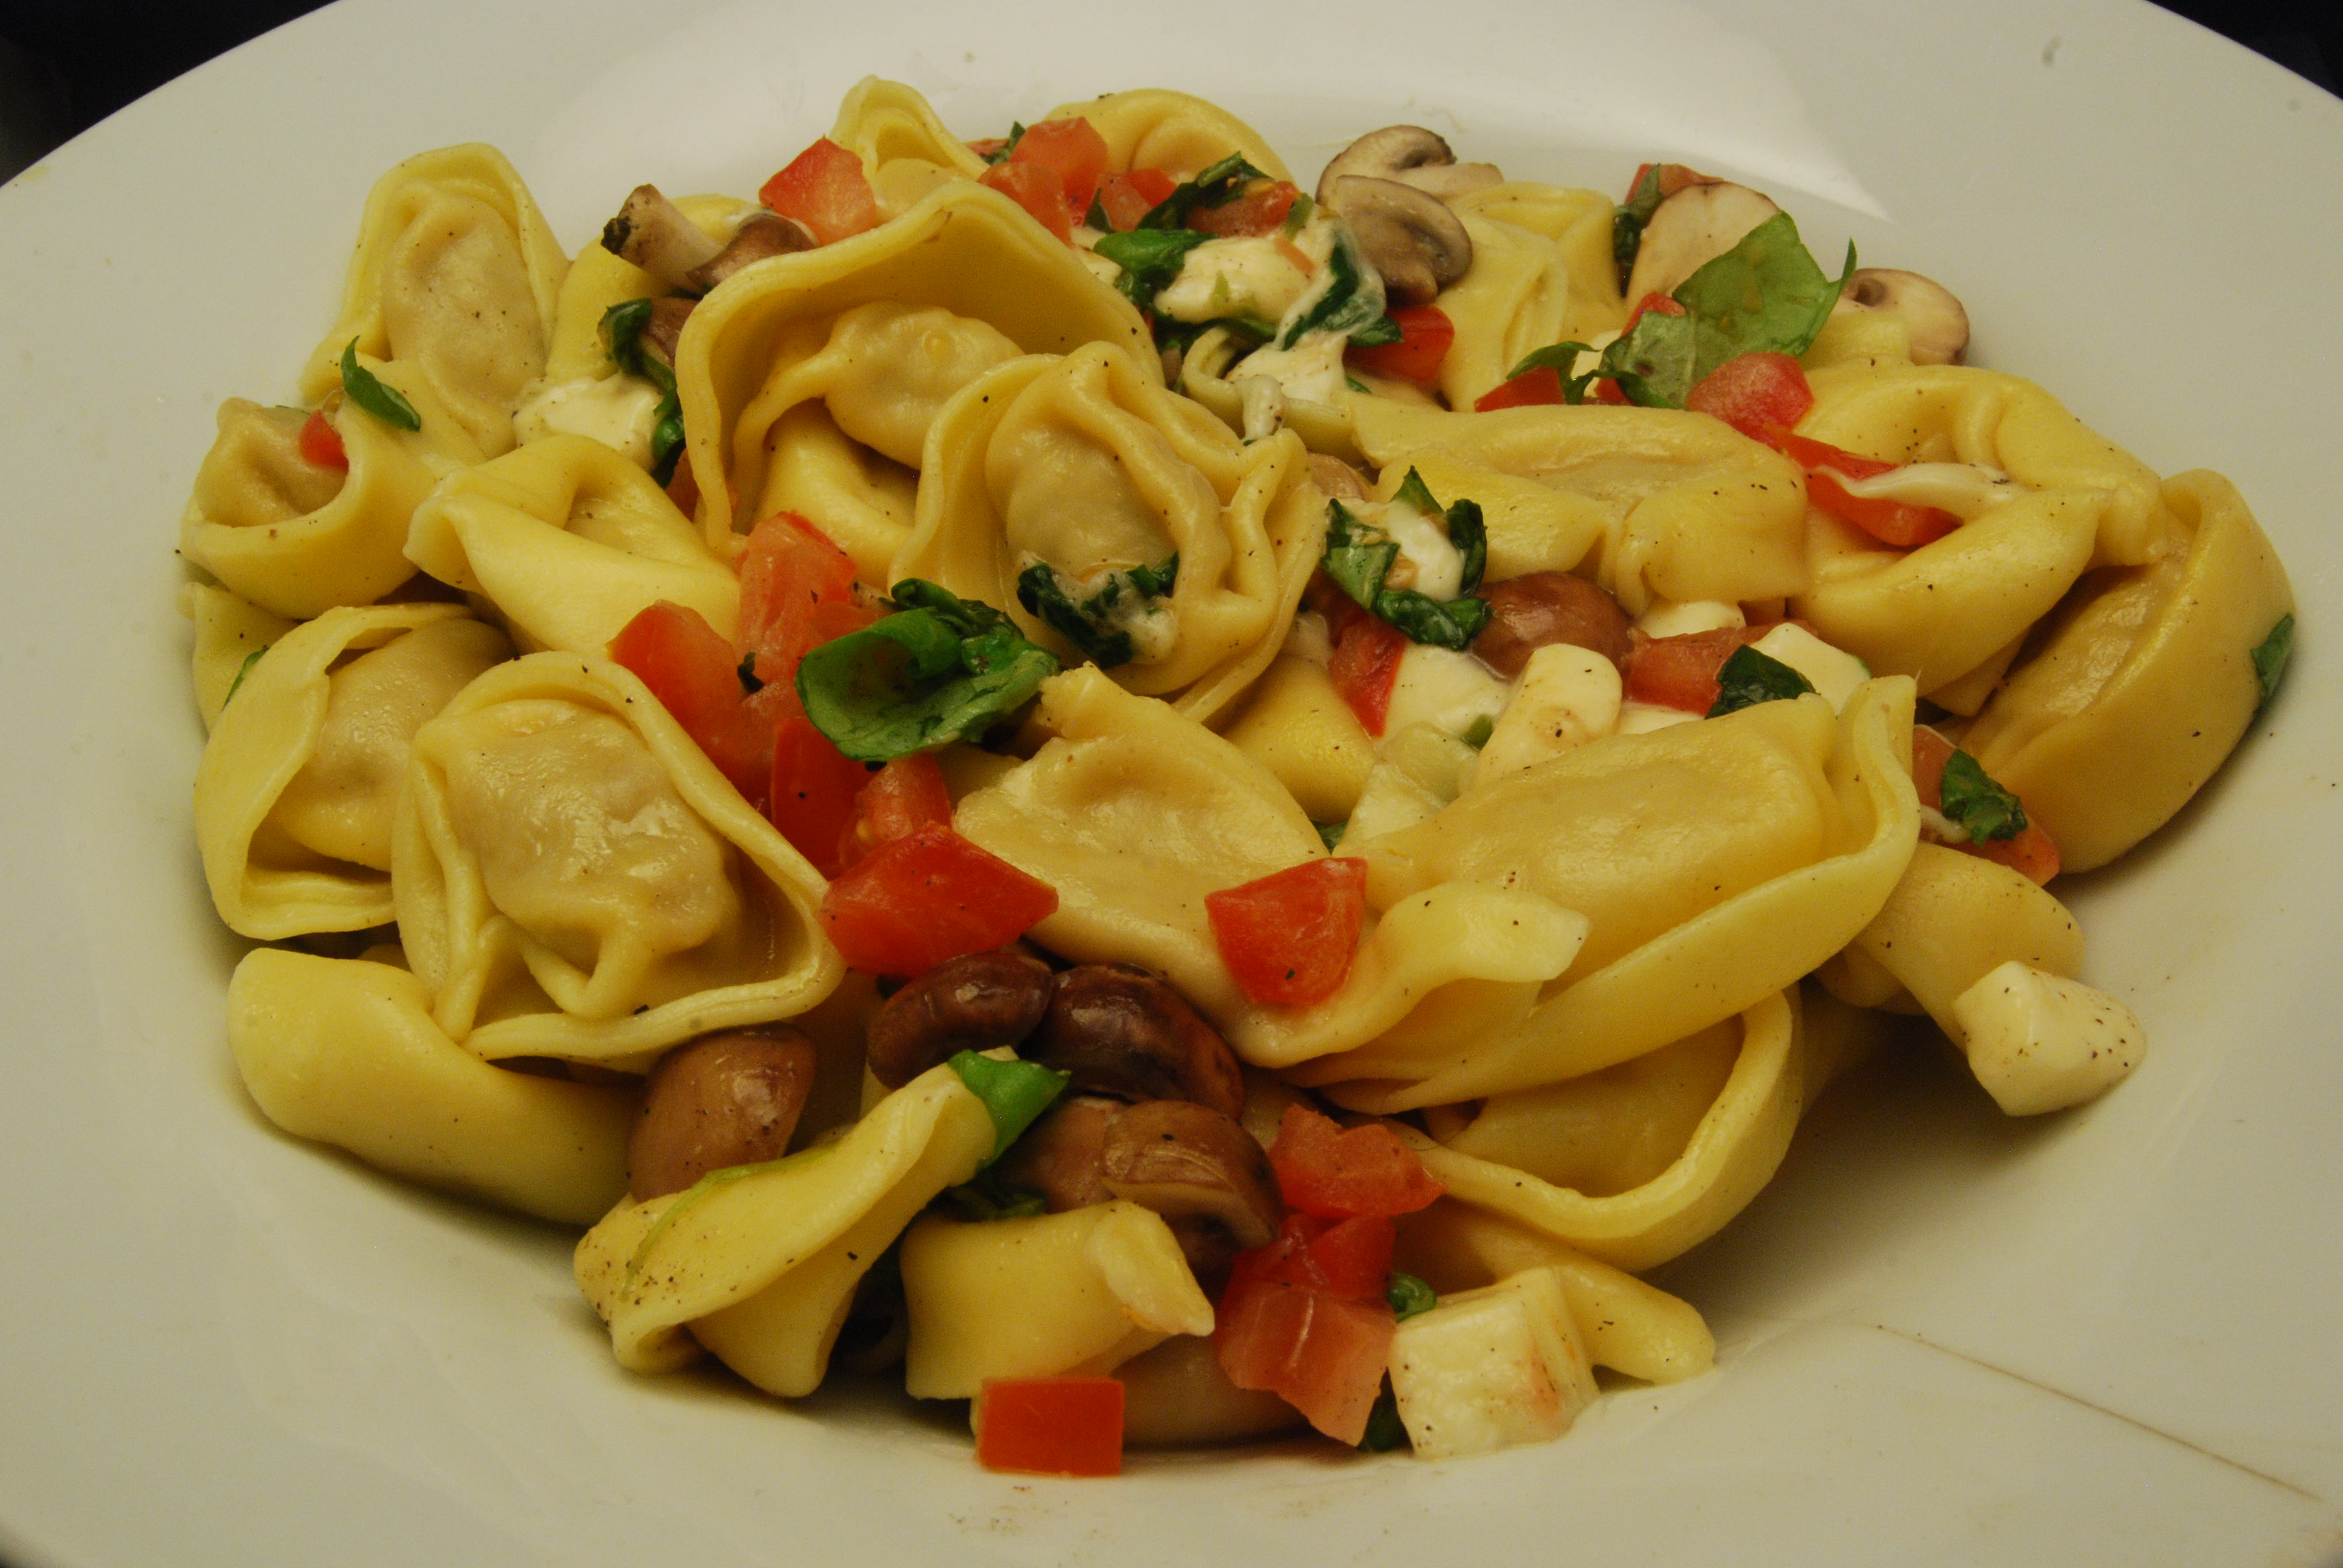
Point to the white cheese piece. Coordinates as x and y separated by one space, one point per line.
1245 275
1390 801
1264 402
1427 562
1568 696
2038 1042
1835 674
1311 370
1968 490
1642 718
1492 1368
1448 690
1307 637
1669 619
621 411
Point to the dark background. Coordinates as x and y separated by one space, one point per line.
65 64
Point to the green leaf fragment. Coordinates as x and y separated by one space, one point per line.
1409 1296
622 334
1000 155
1628 222
241 672
1750 678
1330 833
1091 623
987 1198
1385 1431
370 392
1215 185
940 669
2269 657
1348 305
1015 1093
1974 802
1357 558
1150 259
1476 735
1443 623
750 682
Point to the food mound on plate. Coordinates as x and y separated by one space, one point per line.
1178 808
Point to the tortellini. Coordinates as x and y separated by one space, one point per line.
1179 133
575 879
1542 272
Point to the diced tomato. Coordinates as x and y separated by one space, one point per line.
1364 668
1530 388
1325 1168
321 443
1890 522
1324 1354
696 676
1074 151
927 896
902 798
789 569
1129 198
813 792
2031 853
683 487
1681 672
986 146
1654 303
1051 1425
1260 210
1757 394
825 189
1350 1257
1426 334
1036 189
1288 937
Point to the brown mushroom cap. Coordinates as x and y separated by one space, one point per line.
1411 238
1538 609
974 1003
1201 1171
1337 478
1939 326
1410 156
762 235
728 1098
1063 1156
1692 228
1121 1031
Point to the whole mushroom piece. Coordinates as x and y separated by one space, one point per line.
1410 156
1939 326
1691 229
1412 239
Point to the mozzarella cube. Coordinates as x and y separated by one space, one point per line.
1665 619
621 411
2038 1042
1568 696
1834 674
1492 1368
1446 689
1240 275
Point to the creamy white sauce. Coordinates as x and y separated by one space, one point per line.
621 411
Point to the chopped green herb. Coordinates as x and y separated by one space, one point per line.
1443 623
370 392
750 681
1408 1295
940 668
2269 658
1015 1093
1466 530
1359 557
1627 222
989 1197
1330 833
1561 358
1297 216
1150 259
241 672
1217 186
622 334
1355 384
1000 155
1353 304
1477 734
1385 1431
1096 217
1750 678
1090 624
1974 802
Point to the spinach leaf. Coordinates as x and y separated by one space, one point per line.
1627 222
1385 1431
1560 357
1357 558
1353 304
940 668
1444 623
987 1198
622 334
1090 623
1409 1296
370 392
1330 833
2269 658
1750 678
1000 155
1150 259
1015 1093
1217 186
1975 802
1765 295
1466 530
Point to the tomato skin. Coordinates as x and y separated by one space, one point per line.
1364 668
1051 1425
927 896
321 443
1757 394
696 676
906 794
1673 177
1128 197
1530 389
789 569
1890 522
1288 937
824 188
1074 151
1326 1170
2031 853
1681 672
1038 190
1426 335
813 792
1323 1353
1260 210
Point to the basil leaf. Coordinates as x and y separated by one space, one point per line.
1091 624
1354 300
1466 530
1560 357
1217 186
254 658
1409 1296
1357 558
1627 222
1750 678
1330 833
1015 1093
1974 801
1385 1431
1382 329
667 440
1451 623
367 389
1413 492
1150 259
1000 155
1096 217
1297 216
1765 295
2269 658
622 334
749 683
940 669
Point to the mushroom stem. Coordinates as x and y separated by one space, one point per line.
653 234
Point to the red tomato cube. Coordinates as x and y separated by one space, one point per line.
927 896
1426 335
1051 1425
825 189
1288 938
1325 1168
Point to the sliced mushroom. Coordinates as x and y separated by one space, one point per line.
729 1099
1119 1030
652 233
1537 609
1412 239
1940 327
665 329
1337 478
1063 1155
970 1003
1201 1171
1692 228
1413 157
761 235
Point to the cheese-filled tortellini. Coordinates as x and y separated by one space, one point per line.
456 278
1177 133
575 879
1117 521
1542 272
300 782
230 632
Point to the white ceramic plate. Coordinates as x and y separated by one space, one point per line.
2107 1337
